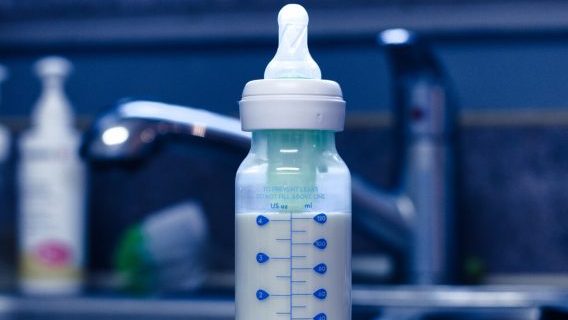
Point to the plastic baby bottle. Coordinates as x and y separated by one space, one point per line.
293 191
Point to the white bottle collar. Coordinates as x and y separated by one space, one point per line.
292 104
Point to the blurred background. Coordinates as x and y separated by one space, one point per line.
505 67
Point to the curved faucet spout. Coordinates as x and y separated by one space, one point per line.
131 129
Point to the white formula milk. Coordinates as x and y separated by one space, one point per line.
293 266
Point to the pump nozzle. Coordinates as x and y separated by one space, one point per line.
292 59
53 67
53 108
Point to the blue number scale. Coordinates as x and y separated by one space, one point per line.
299 272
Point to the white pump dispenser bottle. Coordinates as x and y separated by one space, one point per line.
52 187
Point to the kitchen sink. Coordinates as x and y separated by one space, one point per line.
369 303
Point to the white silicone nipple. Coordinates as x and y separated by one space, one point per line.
293 59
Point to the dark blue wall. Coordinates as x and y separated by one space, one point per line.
489 74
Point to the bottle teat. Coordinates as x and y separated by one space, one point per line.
292 59
53 67
292 94
52 106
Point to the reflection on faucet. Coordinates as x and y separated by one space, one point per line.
416 219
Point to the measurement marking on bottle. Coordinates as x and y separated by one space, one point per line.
320 243
321 268
262 295
295 230
262 257
262 220
320 316
291 262
320 218
320 294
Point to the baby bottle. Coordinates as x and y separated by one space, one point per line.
293 191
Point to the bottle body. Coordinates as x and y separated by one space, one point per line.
51 182
293 228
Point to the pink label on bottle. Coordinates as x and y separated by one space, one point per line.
54 253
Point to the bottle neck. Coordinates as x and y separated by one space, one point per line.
52 108
293 159
280 145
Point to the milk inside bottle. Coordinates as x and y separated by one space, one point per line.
293 191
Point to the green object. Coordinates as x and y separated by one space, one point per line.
132 261
474 269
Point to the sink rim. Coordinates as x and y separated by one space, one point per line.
447 296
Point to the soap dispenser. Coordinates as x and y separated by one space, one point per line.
51 181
